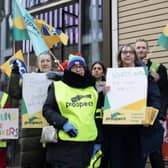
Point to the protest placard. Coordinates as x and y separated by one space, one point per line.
9 123
126 101
35 87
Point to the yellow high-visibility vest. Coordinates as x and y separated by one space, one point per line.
79 106
96 160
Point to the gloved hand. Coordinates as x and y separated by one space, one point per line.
54 75
70 129
96 147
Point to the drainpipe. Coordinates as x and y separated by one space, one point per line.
95 53
114 38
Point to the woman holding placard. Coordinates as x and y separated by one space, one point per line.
126 146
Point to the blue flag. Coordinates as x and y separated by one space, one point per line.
35 36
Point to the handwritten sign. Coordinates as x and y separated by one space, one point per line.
9 123
35 87
125 103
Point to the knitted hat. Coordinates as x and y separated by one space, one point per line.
75 59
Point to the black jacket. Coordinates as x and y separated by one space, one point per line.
50 109
163 86
74 154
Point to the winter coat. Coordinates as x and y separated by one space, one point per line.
152 136
74 154
29 151
137 139
163 86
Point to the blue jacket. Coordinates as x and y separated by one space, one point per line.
152 136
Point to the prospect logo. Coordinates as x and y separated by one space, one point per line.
33 121
79 97
77 101
117 116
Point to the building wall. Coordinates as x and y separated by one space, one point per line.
143 19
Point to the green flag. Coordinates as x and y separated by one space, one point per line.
19 29
163 39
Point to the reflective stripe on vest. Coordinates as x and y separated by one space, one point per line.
96 160
3 99
99 113
154 66
3 144
78 106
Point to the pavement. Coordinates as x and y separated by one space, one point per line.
149 166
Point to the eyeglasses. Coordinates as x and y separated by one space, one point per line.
75 67
127 52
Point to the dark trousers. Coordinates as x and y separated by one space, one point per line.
121 148
156 159
62 165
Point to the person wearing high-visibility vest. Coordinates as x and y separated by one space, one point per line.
71 107
159 74
98 70
3 144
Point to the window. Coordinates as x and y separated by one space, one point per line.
65 18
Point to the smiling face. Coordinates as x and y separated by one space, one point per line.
44 62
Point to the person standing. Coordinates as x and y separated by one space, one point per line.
126 146
98 70
32 153
159 74
71 107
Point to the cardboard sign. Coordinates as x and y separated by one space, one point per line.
9 123
126 101
35 86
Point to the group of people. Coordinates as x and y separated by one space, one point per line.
74 106
75 110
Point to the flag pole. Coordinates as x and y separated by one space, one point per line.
28 55
28 61
13 47
56 60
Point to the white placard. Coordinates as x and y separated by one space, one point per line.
35 86
127 95
9 123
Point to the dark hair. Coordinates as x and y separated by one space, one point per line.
120 63
102 65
